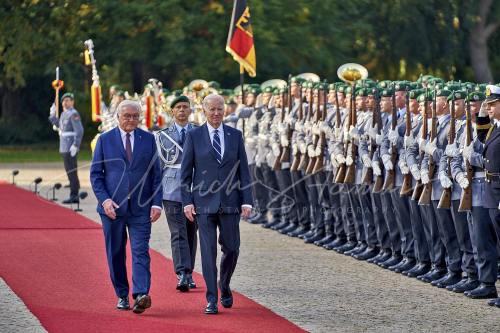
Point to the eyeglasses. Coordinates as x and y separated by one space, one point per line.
128 116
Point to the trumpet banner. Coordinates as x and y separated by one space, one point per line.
95 95
150 107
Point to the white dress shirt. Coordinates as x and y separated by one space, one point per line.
211 132
124 138
179 128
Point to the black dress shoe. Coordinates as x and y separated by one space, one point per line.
123 304
447 280
325 240
393 260
492 301
482 292
316 237
346 247
464 285
226 301
183 283
409 264
192 284
282 225
142 302
399 264
71 201
299 231
368 253
336 243
271 223
211 308
418 270
261 220
307 234
434 274
381 257
360 247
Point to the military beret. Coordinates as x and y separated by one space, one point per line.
177 92
120 93
384 84
441 92
424 78
402 86
415 85
276 91
481 87
214 84
363 92
68 95
331 86
386 92
165 91
348 90
181 98
341 88
268 89
296 79
459 94
476 96
282 90
254 90
413 94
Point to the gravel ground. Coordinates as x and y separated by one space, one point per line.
319 290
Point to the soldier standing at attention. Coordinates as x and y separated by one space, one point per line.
183 238
69 126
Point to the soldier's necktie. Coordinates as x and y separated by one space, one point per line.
183 136
217 146
128 148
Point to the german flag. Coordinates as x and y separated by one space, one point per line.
240 38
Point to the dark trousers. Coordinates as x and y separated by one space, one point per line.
403 221
260 193
419 239
337 223
325 214
115 237
272 188
313 200
436 248
486 240
300 193
464 240
390 219
347 213
365 200
379 220
229 239
448 236
183 237
70 165
286 197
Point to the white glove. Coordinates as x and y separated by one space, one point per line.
284 140
346 137
409 141
353 133
263 139
386 159
421 144
452 150
376 168
424 175
338 134
295 149
445 180
316 130
467 151
250 142
52 110
334 160
378 139
393 137
372 132
366 161
73 150
462 180
299 126
340 158
276 149
482 110
348 160
403 167
431 147
415 172
302 147
318 151
311 152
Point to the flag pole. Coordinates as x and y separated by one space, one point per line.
242 83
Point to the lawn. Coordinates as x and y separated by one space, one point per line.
42 152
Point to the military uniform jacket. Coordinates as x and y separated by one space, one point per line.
170 153
70 129
491 155
386 146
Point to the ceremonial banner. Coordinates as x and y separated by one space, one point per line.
240 38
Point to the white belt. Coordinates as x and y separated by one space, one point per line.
173 166
67 134
479 174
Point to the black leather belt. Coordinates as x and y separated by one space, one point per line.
492 177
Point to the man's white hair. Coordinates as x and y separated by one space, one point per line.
128 104
212 97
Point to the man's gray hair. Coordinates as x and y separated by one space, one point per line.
127 103
212 97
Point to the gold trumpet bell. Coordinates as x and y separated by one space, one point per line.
198 85
352 72
309 77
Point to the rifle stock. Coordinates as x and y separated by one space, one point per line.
465 203
297 155
390 176
406 188
425 197
350 175
417 192
318 166
445 199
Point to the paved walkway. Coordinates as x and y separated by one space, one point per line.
319 290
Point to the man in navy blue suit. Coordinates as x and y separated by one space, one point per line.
216 190
126 179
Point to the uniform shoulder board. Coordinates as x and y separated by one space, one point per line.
75 115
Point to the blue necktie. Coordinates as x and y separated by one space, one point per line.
183 136
217 146
128 148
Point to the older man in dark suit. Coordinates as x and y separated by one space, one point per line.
215 187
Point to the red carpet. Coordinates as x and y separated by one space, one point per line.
54 261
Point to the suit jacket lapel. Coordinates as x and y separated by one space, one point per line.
227 144
207 138
119 142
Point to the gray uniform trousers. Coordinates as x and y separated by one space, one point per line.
485 239
313 200
71 167
437 250
337 222
273 200
448 236
288 204
347 213
300 193
356 212
402 213
390 219
419 235
183 237
365 199
259 192
325 214
384 240
464 240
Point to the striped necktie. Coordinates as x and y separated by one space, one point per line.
217 146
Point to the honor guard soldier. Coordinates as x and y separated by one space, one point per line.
183 239
70 129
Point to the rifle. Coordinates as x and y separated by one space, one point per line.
317 119
368 176
379 181
390 177
297 156
277 161
466 196
285 151
322 137
406 188
425 197
350 176
341 170
304 159
445 200
417 192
